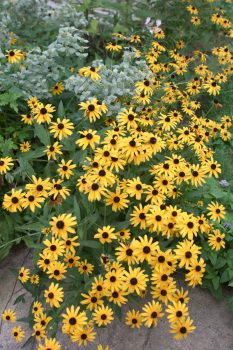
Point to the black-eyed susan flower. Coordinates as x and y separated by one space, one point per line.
144 86
45 260
57 270
49 343
53 150
27 118
65 169
83 335
92 72
23 274
216 211
94 191
113 47
33 102
62 225
212 168
188 225
144 248
133 319
102 316
182 328
54 295
39 332
135 280
100 347
126 253
17 333
62 128
71 244
32 201
139 216
37 308
102 176
124 234
91 300
57 189
135 38
14 56
91 110
135 188
73 318
58 88
34 279
212 87
181 295
71 260
9 315
155 218
39 187
42 318
54 246
196 20
84 267
177 311
151 313
186 252
88 138
105 234
113 280
216 240
5 164
43 113
195 272
128 118
117 297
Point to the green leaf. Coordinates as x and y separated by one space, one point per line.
224 277
90 244
93 26
42 134
77 212
34 226
220 263
20 299
213 257
216 282
25 168
29 341
29 241
61 111
230 284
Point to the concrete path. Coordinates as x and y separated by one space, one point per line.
213 320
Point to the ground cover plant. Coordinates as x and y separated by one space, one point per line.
117 185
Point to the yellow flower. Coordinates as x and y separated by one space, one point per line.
25 146
23 275
13 56
113 47
91 72
5 164
57 89
9 315
18 334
